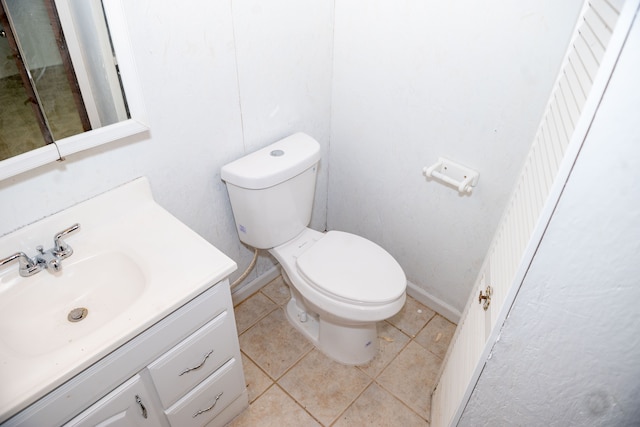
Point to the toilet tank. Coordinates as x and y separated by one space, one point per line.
272 189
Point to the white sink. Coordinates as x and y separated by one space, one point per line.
34 314
132 265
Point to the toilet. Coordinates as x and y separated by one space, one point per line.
341 284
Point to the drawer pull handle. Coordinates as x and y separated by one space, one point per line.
206 356
144 410
202 411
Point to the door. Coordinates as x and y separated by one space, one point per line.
129 405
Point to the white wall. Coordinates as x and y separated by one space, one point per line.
569 352
210 99
415 80
411 81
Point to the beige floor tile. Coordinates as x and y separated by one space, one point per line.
390 342
273 344
278 291
252 310
411 376
376 407
257 381
323 387
436 336
412 317
274 409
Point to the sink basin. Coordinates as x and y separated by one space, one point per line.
34 314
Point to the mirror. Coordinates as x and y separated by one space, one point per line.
88 105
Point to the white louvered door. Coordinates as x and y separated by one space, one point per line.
589 62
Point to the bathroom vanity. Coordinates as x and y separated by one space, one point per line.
158 345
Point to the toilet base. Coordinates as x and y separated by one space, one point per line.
347 344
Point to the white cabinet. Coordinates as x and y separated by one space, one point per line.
183 371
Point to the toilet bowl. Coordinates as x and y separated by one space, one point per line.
341 284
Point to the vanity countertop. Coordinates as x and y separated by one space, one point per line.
173 262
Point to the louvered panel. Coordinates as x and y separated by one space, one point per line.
562 127
563 108
565 128
544 179
539 176
468 346
517 225
616 5
520 224
527 207
593 41
586 57
539 193
606 13
552 156
530 204
574 83
497 275
557 130
552 137
495 258
499 268
581 72
549 174
572 106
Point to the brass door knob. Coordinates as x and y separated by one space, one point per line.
486 298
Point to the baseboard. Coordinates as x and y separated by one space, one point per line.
436 304
245 290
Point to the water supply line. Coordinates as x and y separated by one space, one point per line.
247 271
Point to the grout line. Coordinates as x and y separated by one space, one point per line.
372 380
298 403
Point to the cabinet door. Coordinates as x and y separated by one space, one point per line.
127 406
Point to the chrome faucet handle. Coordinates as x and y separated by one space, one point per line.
62 249
28 267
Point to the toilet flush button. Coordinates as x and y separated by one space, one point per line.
277 153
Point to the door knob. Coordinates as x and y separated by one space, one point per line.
486 298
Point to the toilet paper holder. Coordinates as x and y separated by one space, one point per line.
452 173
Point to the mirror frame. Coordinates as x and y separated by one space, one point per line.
116 20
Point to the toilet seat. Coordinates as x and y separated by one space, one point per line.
349 267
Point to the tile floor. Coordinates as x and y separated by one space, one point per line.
290 383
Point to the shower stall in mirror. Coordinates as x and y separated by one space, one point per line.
58 73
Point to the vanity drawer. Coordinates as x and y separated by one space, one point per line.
209 398
195 358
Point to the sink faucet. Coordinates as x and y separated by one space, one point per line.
49 259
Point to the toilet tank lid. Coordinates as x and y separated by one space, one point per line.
273 164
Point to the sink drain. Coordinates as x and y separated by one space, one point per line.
77 314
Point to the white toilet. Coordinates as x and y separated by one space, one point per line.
341 284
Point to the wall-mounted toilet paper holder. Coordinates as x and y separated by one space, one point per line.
461 177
